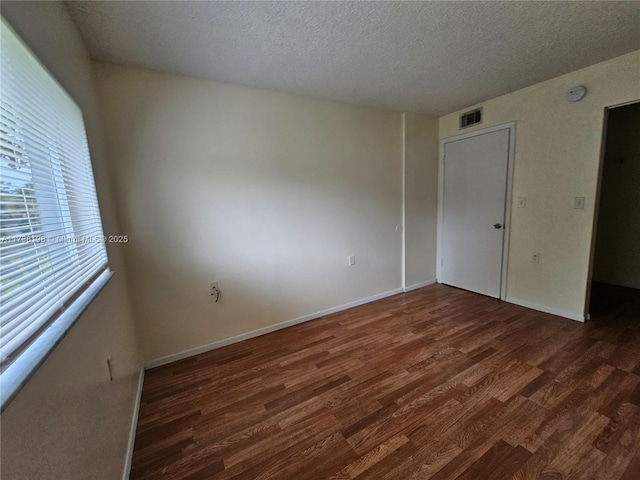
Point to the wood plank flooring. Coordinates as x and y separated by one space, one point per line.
435 384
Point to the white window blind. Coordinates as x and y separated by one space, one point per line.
51 239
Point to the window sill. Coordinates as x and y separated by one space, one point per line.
18 373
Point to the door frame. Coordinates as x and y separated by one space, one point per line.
596 209
511 126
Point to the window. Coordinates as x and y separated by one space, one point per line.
52 247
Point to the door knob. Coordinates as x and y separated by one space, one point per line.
497 225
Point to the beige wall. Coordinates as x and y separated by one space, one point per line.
266 193
557 154
421 198
69 421
617 255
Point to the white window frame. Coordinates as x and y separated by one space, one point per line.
76 270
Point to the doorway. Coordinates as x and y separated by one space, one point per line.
474 207
615 280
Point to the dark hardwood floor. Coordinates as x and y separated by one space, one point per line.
435 384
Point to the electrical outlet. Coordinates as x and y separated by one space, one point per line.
535 257
352 260
578 203
522 202
214 290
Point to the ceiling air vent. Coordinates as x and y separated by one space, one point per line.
471 118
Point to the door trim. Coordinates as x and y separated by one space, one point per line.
596 209
511 126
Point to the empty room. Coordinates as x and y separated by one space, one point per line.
320 240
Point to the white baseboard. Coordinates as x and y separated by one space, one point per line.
261 331
134 425
543 308
416 286
619 284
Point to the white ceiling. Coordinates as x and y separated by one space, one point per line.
429 57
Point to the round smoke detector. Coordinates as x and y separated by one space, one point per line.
576 94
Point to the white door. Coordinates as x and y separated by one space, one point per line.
473 211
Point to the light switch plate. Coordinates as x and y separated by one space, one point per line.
578 203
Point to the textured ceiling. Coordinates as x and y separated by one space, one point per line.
429 57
